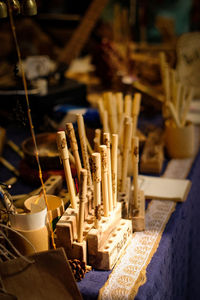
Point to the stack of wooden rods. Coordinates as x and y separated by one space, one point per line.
177 96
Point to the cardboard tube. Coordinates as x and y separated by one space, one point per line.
96 171
82 197
63 150
73 143
114 167
104 172
106 141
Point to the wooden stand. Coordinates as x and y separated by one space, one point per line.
138 215
106 244
153 154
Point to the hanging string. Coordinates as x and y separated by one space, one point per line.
29 113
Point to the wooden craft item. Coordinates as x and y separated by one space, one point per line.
106 141
82 137
96 171
125 154
135 153
121 131
156 187
114 167
128 105
125 198
63 150
104 176
187 106
97 139
82 200
152 157
120 106
179 141
112 111
74 146
135 112
106 244
138 214
47 276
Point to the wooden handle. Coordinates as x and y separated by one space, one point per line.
63 150
114 167
104 168
136 111
106 141
125 155
96 171
135 153
73 143
82 137
82 197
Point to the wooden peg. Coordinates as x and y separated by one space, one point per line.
73 143
120 106
63 150
128 105
112 111
114 167
96 171
125 154
82 137
105 121
82 198
97 139
136 111
104 175
106 141
135 153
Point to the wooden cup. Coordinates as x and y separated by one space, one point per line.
179 141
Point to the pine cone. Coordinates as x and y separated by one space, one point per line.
78 268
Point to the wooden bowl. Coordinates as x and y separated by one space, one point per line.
47 149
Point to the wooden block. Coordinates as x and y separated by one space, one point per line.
124 198
138 219
105 257
164 188
153 153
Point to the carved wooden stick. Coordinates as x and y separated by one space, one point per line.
114 167
96 171
174 114
128 105
187 106
104 172
82 137
74 146
82 198
63 150
105 121
121 131
106 141
112 111
135 153
120 106
125 154
97 139
135 112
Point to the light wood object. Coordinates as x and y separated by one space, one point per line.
74 146
152 157
82 200
187 106
174 114
97 139
156 187
114 167
106 244
121 131
96 171
104 176
125 154
136 111
63 150
120 106
82 137
137 207
112 111
106 141
128 105
179 141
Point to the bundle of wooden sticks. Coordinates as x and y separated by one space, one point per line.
97 207
177 96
